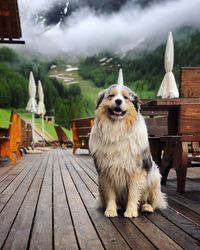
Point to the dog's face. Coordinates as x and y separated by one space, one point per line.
117 103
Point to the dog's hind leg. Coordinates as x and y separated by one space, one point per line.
147 208
153 195
156 198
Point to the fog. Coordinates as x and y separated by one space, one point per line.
86 33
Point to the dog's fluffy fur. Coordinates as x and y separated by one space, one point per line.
127 175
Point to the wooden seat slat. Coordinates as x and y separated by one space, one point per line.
83 131
157 126
83 122
189 122
62 137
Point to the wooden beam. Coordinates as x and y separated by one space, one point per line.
12 41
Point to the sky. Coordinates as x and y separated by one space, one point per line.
86 33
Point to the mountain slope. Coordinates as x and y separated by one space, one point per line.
61 10
145 72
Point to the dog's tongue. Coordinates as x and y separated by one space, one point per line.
117 111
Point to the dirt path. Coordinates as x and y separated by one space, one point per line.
64 74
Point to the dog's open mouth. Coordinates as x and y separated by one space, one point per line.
118 112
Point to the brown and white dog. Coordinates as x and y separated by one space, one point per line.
127 175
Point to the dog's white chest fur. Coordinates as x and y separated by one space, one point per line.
116 147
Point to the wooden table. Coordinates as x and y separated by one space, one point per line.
183 127
176 108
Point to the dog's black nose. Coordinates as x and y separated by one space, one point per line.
118 101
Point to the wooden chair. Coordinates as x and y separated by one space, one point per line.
81 129
190 87
29 138
189 82
63 139
10 141
24 137
156 122
183 151
178 151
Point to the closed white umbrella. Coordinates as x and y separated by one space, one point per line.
168 87
41 107
120 80
32 105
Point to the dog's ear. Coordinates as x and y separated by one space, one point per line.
100 98
136 101
147 160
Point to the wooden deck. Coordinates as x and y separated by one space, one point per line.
48 202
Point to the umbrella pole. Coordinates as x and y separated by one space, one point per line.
33 130
43 130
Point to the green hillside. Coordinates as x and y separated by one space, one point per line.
145 72
72 94
87 87
4 118
65 103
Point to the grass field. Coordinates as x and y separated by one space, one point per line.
88 89
4 118
49 128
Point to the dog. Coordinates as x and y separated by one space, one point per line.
127 175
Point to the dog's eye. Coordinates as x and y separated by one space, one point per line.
126 97
110 97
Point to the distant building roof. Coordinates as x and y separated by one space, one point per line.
10 30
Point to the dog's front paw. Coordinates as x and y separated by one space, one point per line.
147 208
130 213
110 212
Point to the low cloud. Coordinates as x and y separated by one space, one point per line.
86 33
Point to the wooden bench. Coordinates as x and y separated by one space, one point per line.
10 140
156 122
63 139
81 129
23 142
26 136
29 137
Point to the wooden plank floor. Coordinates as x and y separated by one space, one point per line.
48 202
